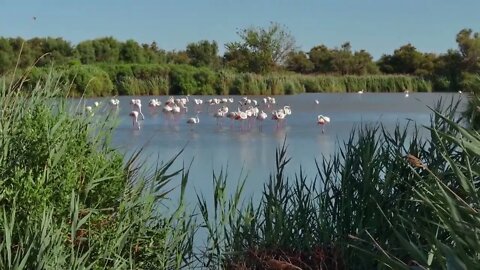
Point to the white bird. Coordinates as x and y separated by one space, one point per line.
137 106
360 92
193 121
219 114
406 93
89 110
114 102
134 115
154 102
262 116
317 102
322 120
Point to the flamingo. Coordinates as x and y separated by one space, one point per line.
219 114
114 102
154 102
317 102
193 121
360 92
322 120
134 115
89 110
278 116
262 116
137 106
406 93
241 116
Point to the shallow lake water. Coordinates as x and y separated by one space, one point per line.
250 152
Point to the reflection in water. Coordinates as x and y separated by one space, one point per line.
252 149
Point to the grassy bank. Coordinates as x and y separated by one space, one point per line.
384 201
135 79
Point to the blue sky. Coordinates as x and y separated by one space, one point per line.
378 26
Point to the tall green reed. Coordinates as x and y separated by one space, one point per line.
322 222
70 201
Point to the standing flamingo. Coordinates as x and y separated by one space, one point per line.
322 120
134 115
137 106
260 117
278 116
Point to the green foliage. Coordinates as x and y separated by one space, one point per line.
261 50
89 81
203 53
298 62
341 61
469 47
472 112
6 55
384 200
407 60
131 52
37 138
470 82
69 201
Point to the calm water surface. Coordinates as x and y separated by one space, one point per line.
251 152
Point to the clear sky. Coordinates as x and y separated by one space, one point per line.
378 26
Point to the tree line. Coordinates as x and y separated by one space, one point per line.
259 51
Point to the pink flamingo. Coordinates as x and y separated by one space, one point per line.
323 120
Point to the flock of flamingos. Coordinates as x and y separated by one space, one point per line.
247 110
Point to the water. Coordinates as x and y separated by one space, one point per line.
251 153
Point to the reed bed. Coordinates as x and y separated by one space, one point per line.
70 201
385 201
136 79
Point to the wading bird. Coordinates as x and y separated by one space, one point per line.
134 115
323 120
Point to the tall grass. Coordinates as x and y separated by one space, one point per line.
136 79
70 201
352 213
472 112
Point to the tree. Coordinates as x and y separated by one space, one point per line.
131 52
85 52
261 50
299 62
407 60
342 59
106 49
469 47
152 54
180 57
7 56
363 63
321 58
203 53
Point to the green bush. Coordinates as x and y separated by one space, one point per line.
36 138
89 81
69 201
